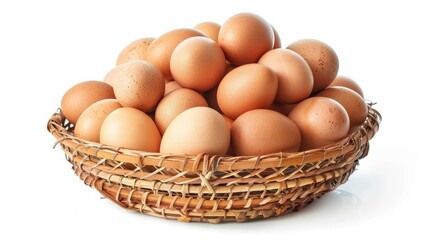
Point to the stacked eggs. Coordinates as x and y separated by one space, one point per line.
226 89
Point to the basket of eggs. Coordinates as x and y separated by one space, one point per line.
217 123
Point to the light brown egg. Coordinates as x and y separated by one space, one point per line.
211 95
245 37
282 108
228 68
229 123
195 131
111 75
277 40
322 59
293 74
321 121
245 88
264 131
139 84
171 86
351 101
347 82
210 29
130 128
81 96
211 98
175 103
88 125
134 51
160 50
197 63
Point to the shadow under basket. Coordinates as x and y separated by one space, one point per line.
206 188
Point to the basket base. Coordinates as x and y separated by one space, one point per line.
125 197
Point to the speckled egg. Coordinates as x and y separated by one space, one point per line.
321 58
321 121
88 125
81 96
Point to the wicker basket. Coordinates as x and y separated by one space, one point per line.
213 188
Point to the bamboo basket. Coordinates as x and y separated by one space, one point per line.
213 189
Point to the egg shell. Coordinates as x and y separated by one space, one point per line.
351 101
277 40
111 75
321 58
175 103
136 50
264 131
293 73
139 84
160 50
321 121
229 123
211 95
245 37
197 63
211 98
228 68
81 96
282 108
130 128
343 81
195 131
171 86
245 88
88 125
210 29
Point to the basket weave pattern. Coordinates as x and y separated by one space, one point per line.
213 188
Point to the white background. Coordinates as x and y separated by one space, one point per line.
48 46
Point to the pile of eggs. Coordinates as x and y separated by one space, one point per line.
226 89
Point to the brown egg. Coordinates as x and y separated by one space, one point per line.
245 37
134 51
293 74
81 96
175 103
245 88
139 84
321 121
229 123
195 131
211 99
322 59
197 63
152 115
160 50
111 75
228 68
277 40
264 131
282 108
210 29
351 101
211 96
130 128
88 125
171 86
347 82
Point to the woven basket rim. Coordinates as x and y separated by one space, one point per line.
59 128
